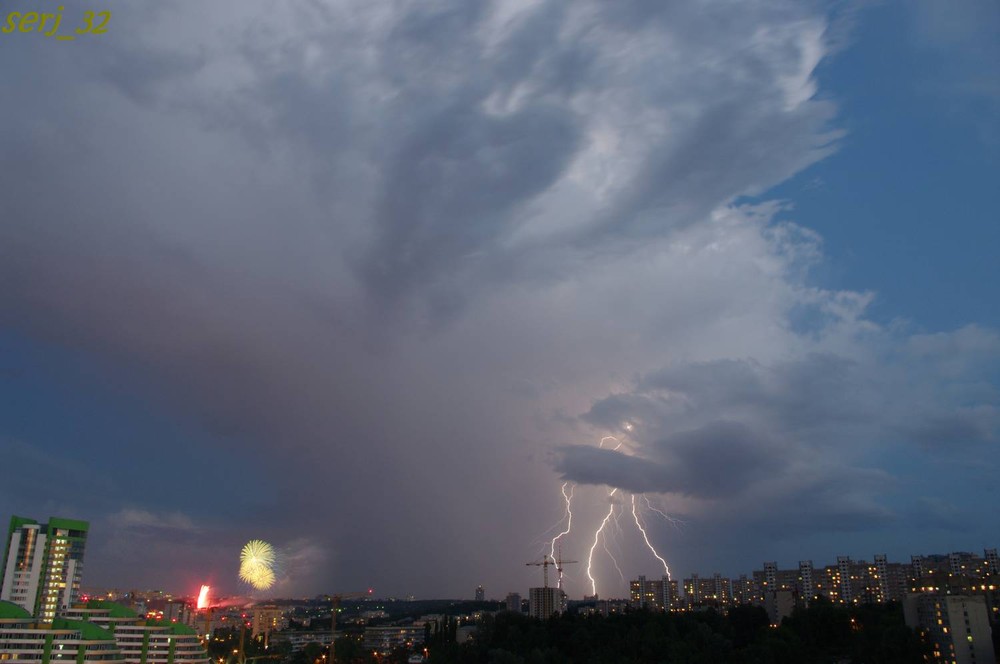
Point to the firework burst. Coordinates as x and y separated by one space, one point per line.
257 561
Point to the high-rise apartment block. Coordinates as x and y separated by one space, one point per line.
514 602
771 579
42 621
953 571
42 565
267 619
955 626
891 579
861 582
711 591
744 590
660 595
848 581
480 594
546 602
992 561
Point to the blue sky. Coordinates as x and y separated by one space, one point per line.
904 206
361 283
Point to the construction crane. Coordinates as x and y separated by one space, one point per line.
559 565
545 563
335 601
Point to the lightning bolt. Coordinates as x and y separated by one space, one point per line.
569 525
642 530
604 523
674 521
616 447
616 519
597 537
604 541
599 534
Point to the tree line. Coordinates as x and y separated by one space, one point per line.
823 633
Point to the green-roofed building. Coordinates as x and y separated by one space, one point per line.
141 640
43 565
11 611
103 612
25 640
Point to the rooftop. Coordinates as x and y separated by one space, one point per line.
175 628
114 609
88 630
11 611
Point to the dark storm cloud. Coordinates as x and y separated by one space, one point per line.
822 498
802 397
461 127
256 208
804 394
590 465
148 524
714 461
452 190
941 514
51 479
721 458
798 436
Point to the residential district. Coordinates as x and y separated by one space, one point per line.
951 602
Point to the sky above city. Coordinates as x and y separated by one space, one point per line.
381 283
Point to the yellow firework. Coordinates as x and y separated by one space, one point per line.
258 576
257 552
257 564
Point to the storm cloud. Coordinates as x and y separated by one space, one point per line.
405 265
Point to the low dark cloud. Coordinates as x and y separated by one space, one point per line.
591 465
795 450
938 513
718 460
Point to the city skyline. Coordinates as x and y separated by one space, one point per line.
944 605
27 575
393 289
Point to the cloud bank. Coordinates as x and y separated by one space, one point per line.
410 261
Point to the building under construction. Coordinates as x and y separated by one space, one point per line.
546 602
